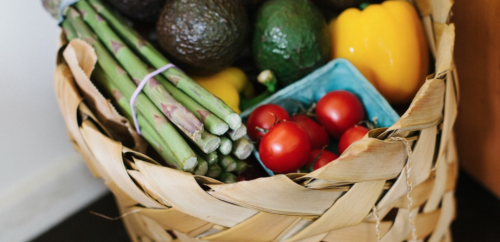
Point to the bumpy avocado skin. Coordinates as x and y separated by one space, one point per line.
203 36
145 11
291 38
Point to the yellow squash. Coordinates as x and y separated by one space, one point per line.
386 42
227 85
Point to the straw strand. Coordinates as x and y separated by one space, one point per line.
409 186
377 222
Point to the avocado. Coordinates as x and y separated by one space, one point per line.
145 11
202 36
291 38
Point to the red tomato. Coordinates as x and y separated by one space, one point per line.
285 147
350 136
323 159
264 117
338 111
317 133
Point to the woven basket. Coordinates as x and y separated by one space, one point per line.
397 184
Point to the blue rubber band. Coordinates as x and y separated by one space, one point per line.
64 5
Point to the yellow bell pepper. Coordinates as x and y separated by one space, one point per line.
386 42
227 85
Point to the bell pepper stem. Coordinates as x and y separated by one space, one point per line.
364 5
248 103
268 79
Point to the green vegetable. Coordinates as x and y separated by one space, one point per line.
268 79
173 110
211 157
214 171
202 167
242 148
225 146
175 76
291 38
237 133
113 72
241 166
203 36
227 163
228 177
208 142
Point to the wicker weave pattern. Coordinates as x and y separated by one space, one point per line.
395 185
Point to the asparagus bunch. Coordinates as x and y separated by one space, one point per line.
175 76
112 73
184 123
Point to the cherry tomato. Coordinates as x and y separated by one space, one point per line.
338 111
285 147
350 136
264 117
323 159
317 133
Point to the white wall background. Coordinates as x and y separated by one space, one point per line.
42 179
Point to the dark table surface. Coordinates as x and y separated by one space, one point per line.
478 218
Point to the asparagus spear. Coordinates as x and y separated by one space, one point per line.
214 171
236 134
225 145
227 163
228 177
241 166
211 157
208 142
69 31
202 167
176 77
171 108
159 145
242 148
148 132
106 62
212 123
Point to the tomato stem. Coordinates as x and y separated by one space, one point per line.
369 124
311 166
262 130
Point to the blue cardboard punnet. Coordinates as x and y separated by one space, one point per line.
338 74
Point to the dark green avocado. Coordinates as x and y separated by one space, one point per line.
202 36
291 38
145 11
